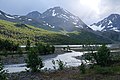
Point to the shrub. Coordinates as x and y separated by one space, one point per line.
28 45
82 68
2 73
103 70
52 49
61 65
40 48
102 57
43 49
34 62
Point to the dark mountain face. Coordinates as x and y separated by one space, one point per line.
56 19
5 16
24 19
112 22
34 15
109 27
59 17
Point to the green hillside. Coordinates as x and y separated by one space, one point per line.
20 33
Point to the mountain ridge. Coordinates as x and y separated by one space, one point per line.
62 19
109 27
20 33
55 19
112 22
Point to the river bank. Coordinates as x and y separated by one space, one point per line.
20 58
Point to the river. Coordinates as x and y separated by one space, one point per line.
68 57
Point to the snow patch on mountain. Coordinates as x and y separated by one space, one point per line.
74 23
112 22
10 17
63 16
53 27
29 19
111 26
72 17
53 13
97 28
115 29
109 22
77 26
46 23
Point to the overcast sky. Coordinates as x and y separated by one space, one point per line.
89 11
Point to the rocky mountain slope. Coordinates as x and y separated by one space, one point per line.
112 22
55 19
20 33
109 27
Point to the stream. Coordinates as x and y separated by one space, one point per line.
68 57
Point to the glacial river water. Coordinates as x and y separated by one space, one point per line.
68 57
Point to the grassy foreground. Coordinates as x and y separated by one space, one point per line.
67 74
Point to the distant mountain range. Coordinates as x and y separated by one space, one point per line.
60 20
22 19
109 27
20 33
55 19
112 23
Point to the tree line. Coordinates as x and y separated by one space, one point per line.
40 48
8 46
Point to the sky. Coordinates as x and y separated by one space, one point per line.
90 11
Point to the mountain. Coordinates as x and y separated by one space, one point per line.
34 15
109 27
54 19
60 19
19 33
24 19
68 28
110 23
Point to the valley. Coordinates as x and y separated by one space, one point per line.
58 45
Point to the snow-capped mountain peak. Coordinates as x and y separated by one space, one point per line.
63 19
4 15
55 19
111 22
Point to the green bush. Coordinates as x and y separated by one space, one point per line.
61 65
102 57
28 45
44 49
103 70
82 68
2 73
34 62
52 49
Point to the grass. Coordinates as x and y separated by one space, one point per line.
69 74
19 33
